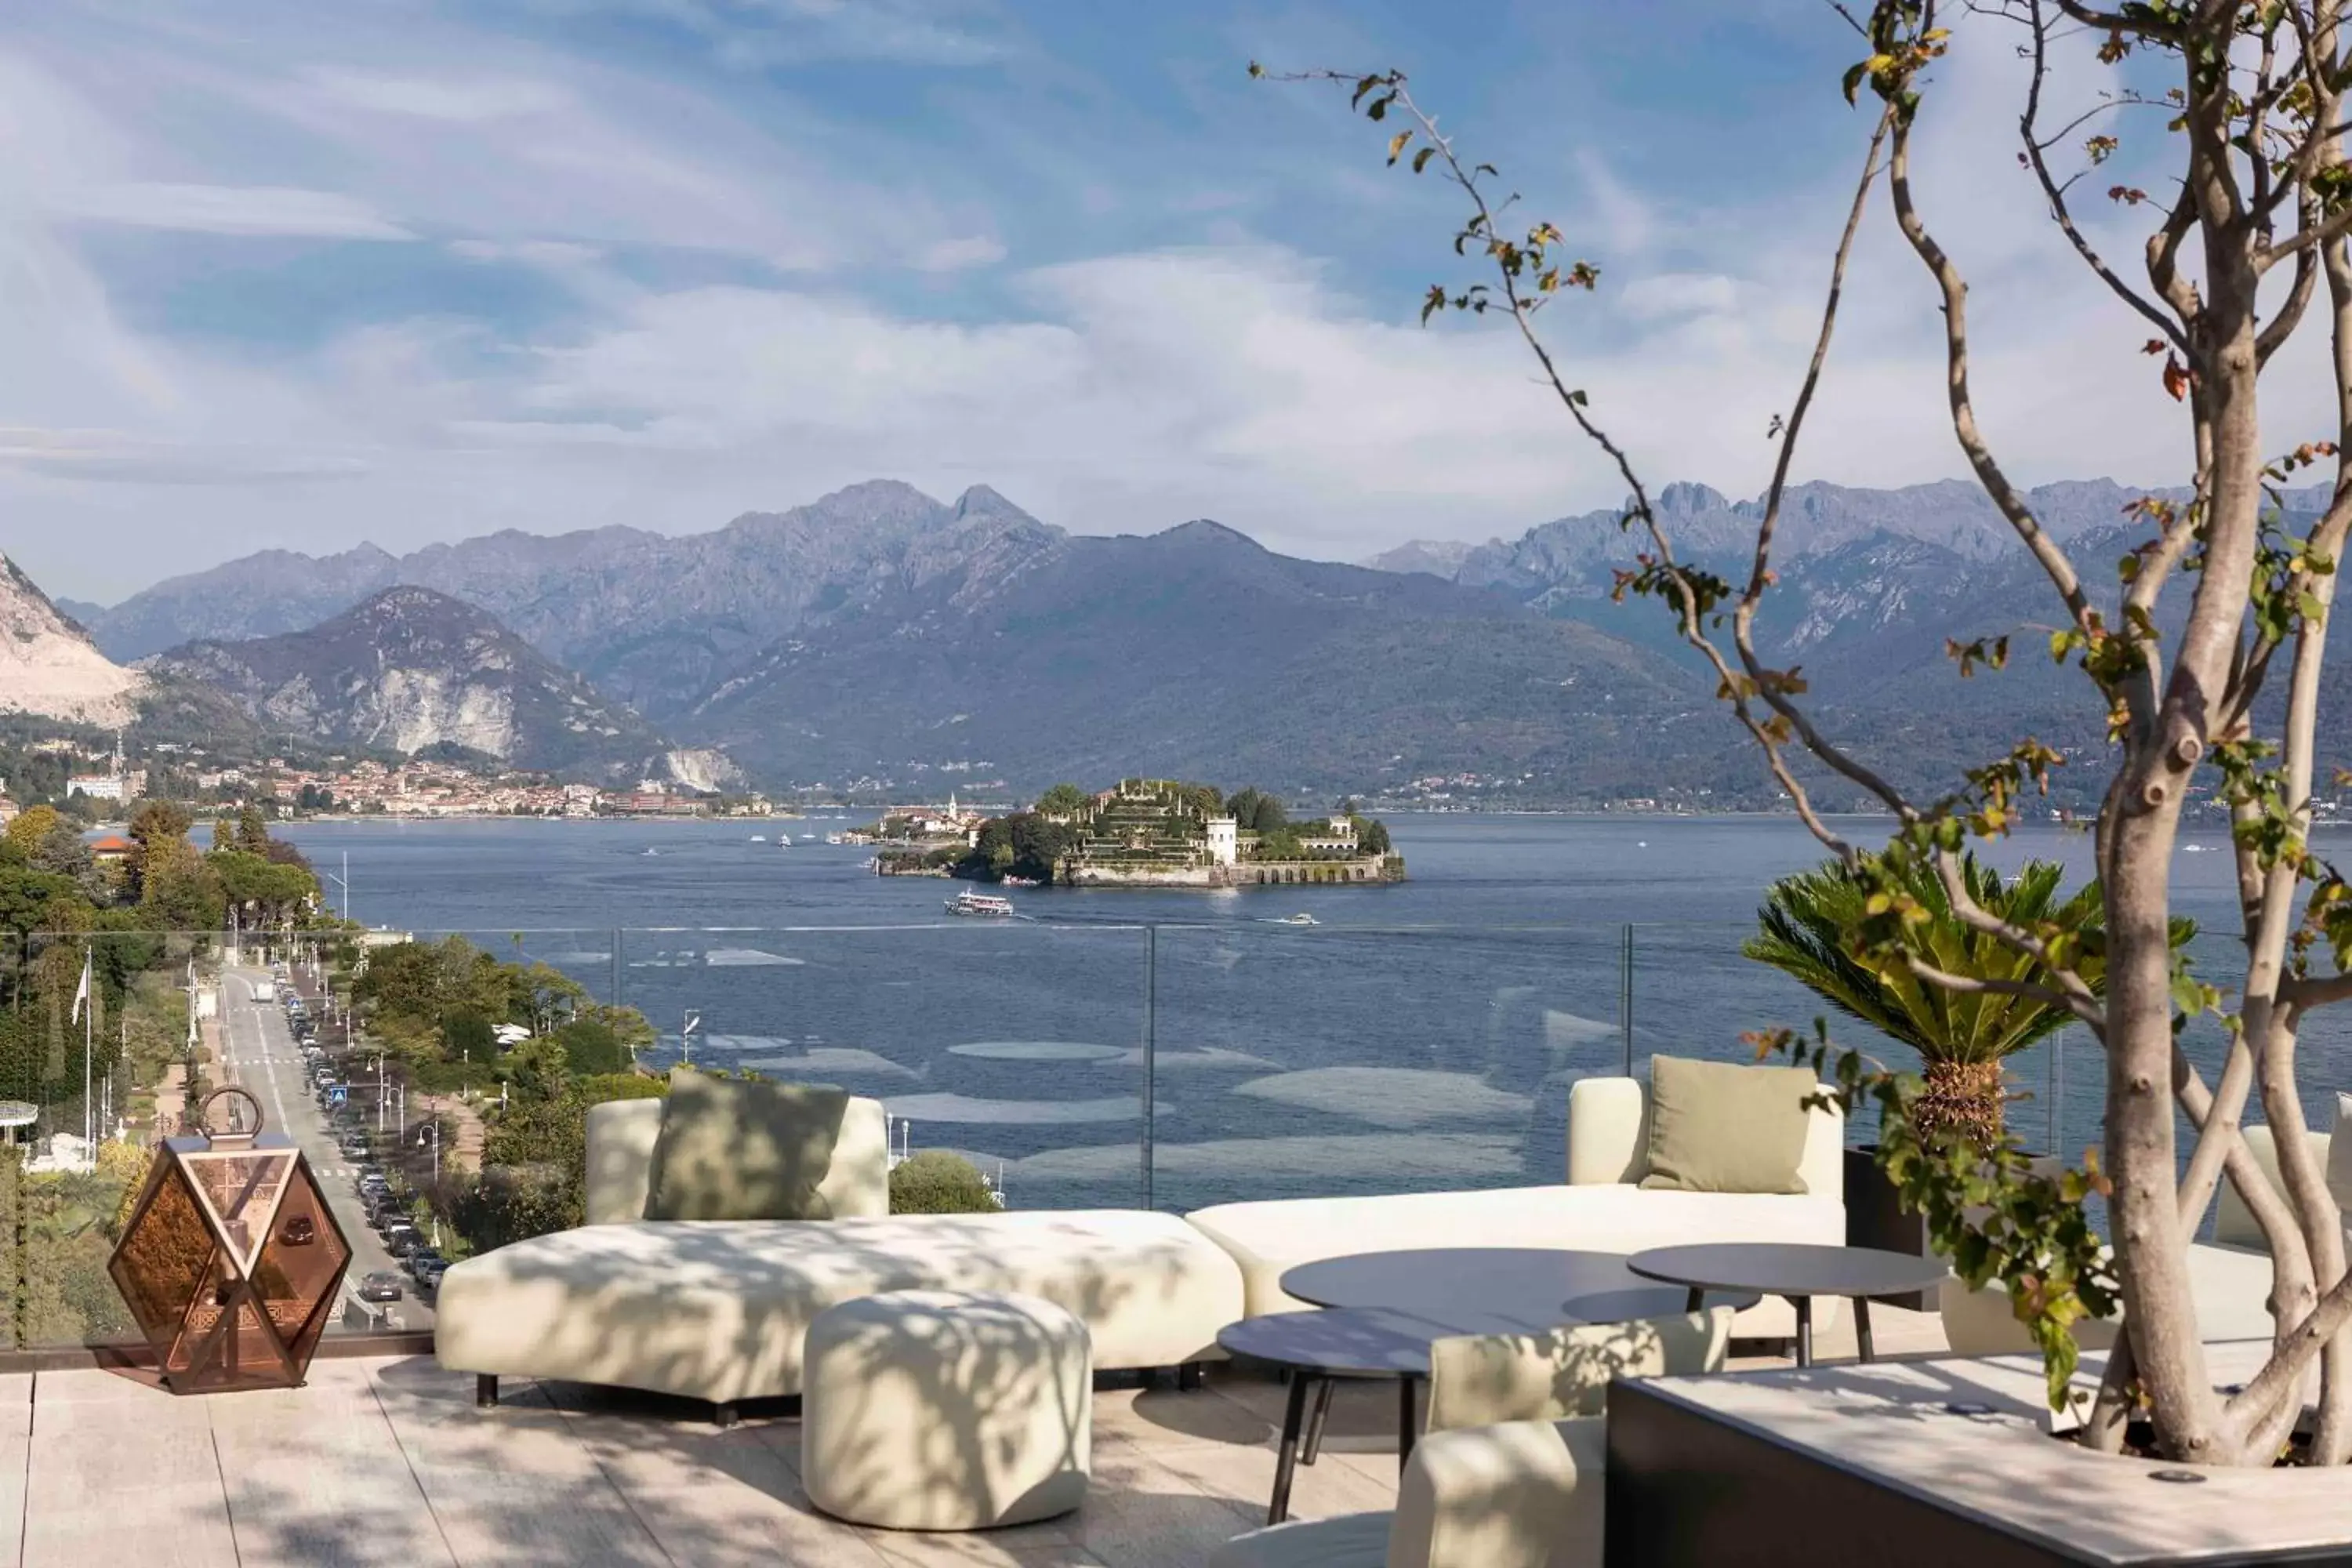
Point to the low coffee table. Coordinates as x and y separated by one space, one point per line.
1797 1271
1381 1310
1492 1290
1319 1346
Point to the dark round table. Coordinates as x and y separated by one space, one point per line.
1320 1346
1381 1310
1797 1271
1492 1290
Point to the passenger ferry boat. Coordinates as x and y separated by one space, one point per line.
971 903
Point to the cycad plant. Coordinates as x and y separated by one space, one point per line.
1813 924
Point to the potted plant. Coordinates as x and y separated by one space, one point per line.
1814 926
1814 929
2198 637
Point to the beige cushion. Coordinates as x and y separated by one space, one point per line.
1477 1380
622 1134
717 1310
735 1148
2339 1154
1719 1127
1609 1138
1270 1237
947 1410
1526 1494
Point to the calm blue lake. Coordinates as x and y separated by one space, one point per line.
1421 1036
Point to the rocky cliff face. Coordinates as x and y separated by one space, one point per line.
411 669
49 666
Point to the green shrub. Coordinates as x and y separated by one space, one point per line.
509 1202
937 1182
592 1049
535 1159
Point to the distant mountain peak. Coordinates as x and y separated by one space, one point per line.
1209 530
411 667
49 665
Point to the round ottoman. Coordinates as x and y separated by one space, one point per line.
946 1410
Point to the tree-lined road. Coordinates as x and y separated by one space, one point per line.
261 1055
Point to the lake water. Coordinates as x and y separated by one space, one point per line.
1422 1035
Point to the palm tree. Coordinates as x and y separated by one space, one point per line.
1812 931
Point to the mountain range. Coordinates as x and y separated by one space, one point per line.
877 630
410 670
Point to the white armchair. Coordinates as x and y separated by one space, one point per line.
1510 1474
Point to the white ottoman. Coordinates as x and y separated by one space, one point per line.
946 1410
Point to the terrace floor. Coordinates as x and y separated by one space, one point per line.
388 1461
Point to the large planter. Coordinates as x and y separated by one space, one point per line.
1875 1217
1940 1464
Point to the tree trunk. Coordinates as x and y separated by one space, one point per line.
1963 1098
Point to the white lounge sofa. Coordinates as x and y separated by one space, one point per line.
2229 1278
718 1309
1600 1208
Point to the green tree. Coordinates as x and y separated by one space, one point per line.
591 1049
252 831
32 827
180 890
1064 800
2247 166
466 1035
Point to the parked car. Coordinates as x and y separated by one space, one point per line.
420 1258
380 1286
428 1278
355 1148
401 1239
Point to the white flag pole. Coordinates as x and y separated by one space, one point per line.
89 1012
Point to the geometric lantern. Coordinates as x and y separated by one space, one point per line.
231 1261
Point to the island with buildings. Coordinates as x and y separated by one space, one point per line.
1142 833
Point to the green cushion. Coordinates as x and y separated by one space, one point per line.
734 1150
1719 1127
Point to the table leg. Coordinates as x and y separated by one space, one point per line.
1316 1422
1697 1301
1294 1416
1804 1305
1861 1327
1408 1418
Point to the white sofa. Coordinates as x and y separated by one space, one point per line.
1600 1208
718 1309
2229 1278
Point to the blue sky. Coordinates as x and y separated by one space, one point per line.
302 275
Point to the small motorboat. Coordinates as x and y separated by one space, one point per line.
1301 918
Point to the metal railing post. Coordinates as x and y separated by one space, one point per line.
1626 994
1151 1046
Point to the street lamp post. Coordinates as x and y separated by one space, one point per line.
433 1128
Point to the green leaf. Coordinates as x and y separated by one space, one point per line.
1421 159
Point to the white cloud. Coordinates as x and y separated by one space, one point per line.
1670 294
550 253
464 101
955 255
252 210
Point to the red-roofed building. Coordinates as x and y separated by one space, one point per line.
112 848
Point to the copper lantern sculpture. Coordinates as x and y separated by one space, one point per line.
231 1261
